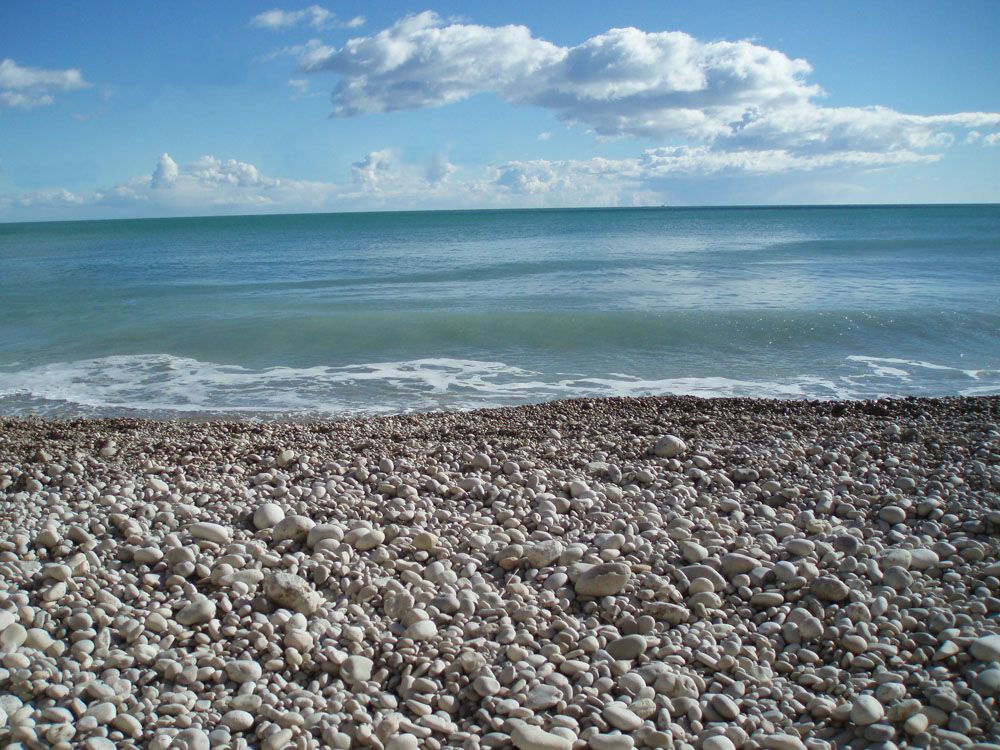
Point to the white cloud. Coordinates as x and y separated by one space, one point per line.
420 62
315 16
545 135
439 169
702 160
165 173
992 139
210 185
205 186
668 86
383 179
372 170
24 88
600 181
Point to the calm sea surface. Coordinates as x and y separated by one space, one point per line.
373 313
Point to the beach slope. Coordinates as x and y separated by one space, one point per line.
613 573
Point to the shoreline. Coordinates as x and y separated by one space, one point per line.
880 406
613 573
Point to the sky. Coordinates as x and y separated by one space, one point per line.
121 110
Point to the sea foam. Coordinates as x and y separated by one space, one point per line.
161 385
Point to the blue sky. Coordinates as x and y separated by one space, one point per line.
184 108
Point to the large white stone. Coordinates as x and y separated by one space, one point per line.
529 737
669 446
986 648
606 579
292 592
267 516
212 532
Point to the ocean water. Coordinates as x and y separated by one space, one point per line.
338 314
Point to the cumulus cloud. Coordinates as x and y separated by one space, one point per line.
439 169
315 16
210 185
667 86
25 88
600 181
165 174
695 160
420 62
204 186
372 170
383 179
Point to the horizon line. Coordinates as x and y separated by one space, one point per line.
538 209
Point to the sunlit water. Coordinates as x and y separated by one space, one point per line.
380 313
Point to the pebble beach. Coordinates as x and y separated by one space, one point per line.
697 574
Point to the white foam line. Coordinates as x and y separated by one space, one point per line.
162 383
873 362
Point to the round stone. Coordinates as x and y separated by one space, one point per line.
898 578
986 648
605 579
293 528
211 532
669 446
197 612
544 553
191 739
243 670
865 710
830 589
425 541
422 630
292 592
627 648
267 516
529 737
356 669
724 706
238 721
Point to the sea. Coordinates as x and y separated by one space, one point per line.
331 315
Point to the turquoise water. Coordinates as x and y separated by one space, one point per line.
392 312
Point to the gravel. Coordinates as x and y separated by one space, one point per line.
612 574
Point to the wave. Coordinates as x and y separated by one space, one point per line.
162 385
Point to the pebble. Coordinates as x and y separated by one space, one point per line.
717 742
197 612
670 446
724 706
292 592
292 528
791 575
628 647
830 589
241 671
986 648
192 739
781 742
865 710
238 721
267 516
529 737
544 553
621 717
212 532
424 541
605 579
356 669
